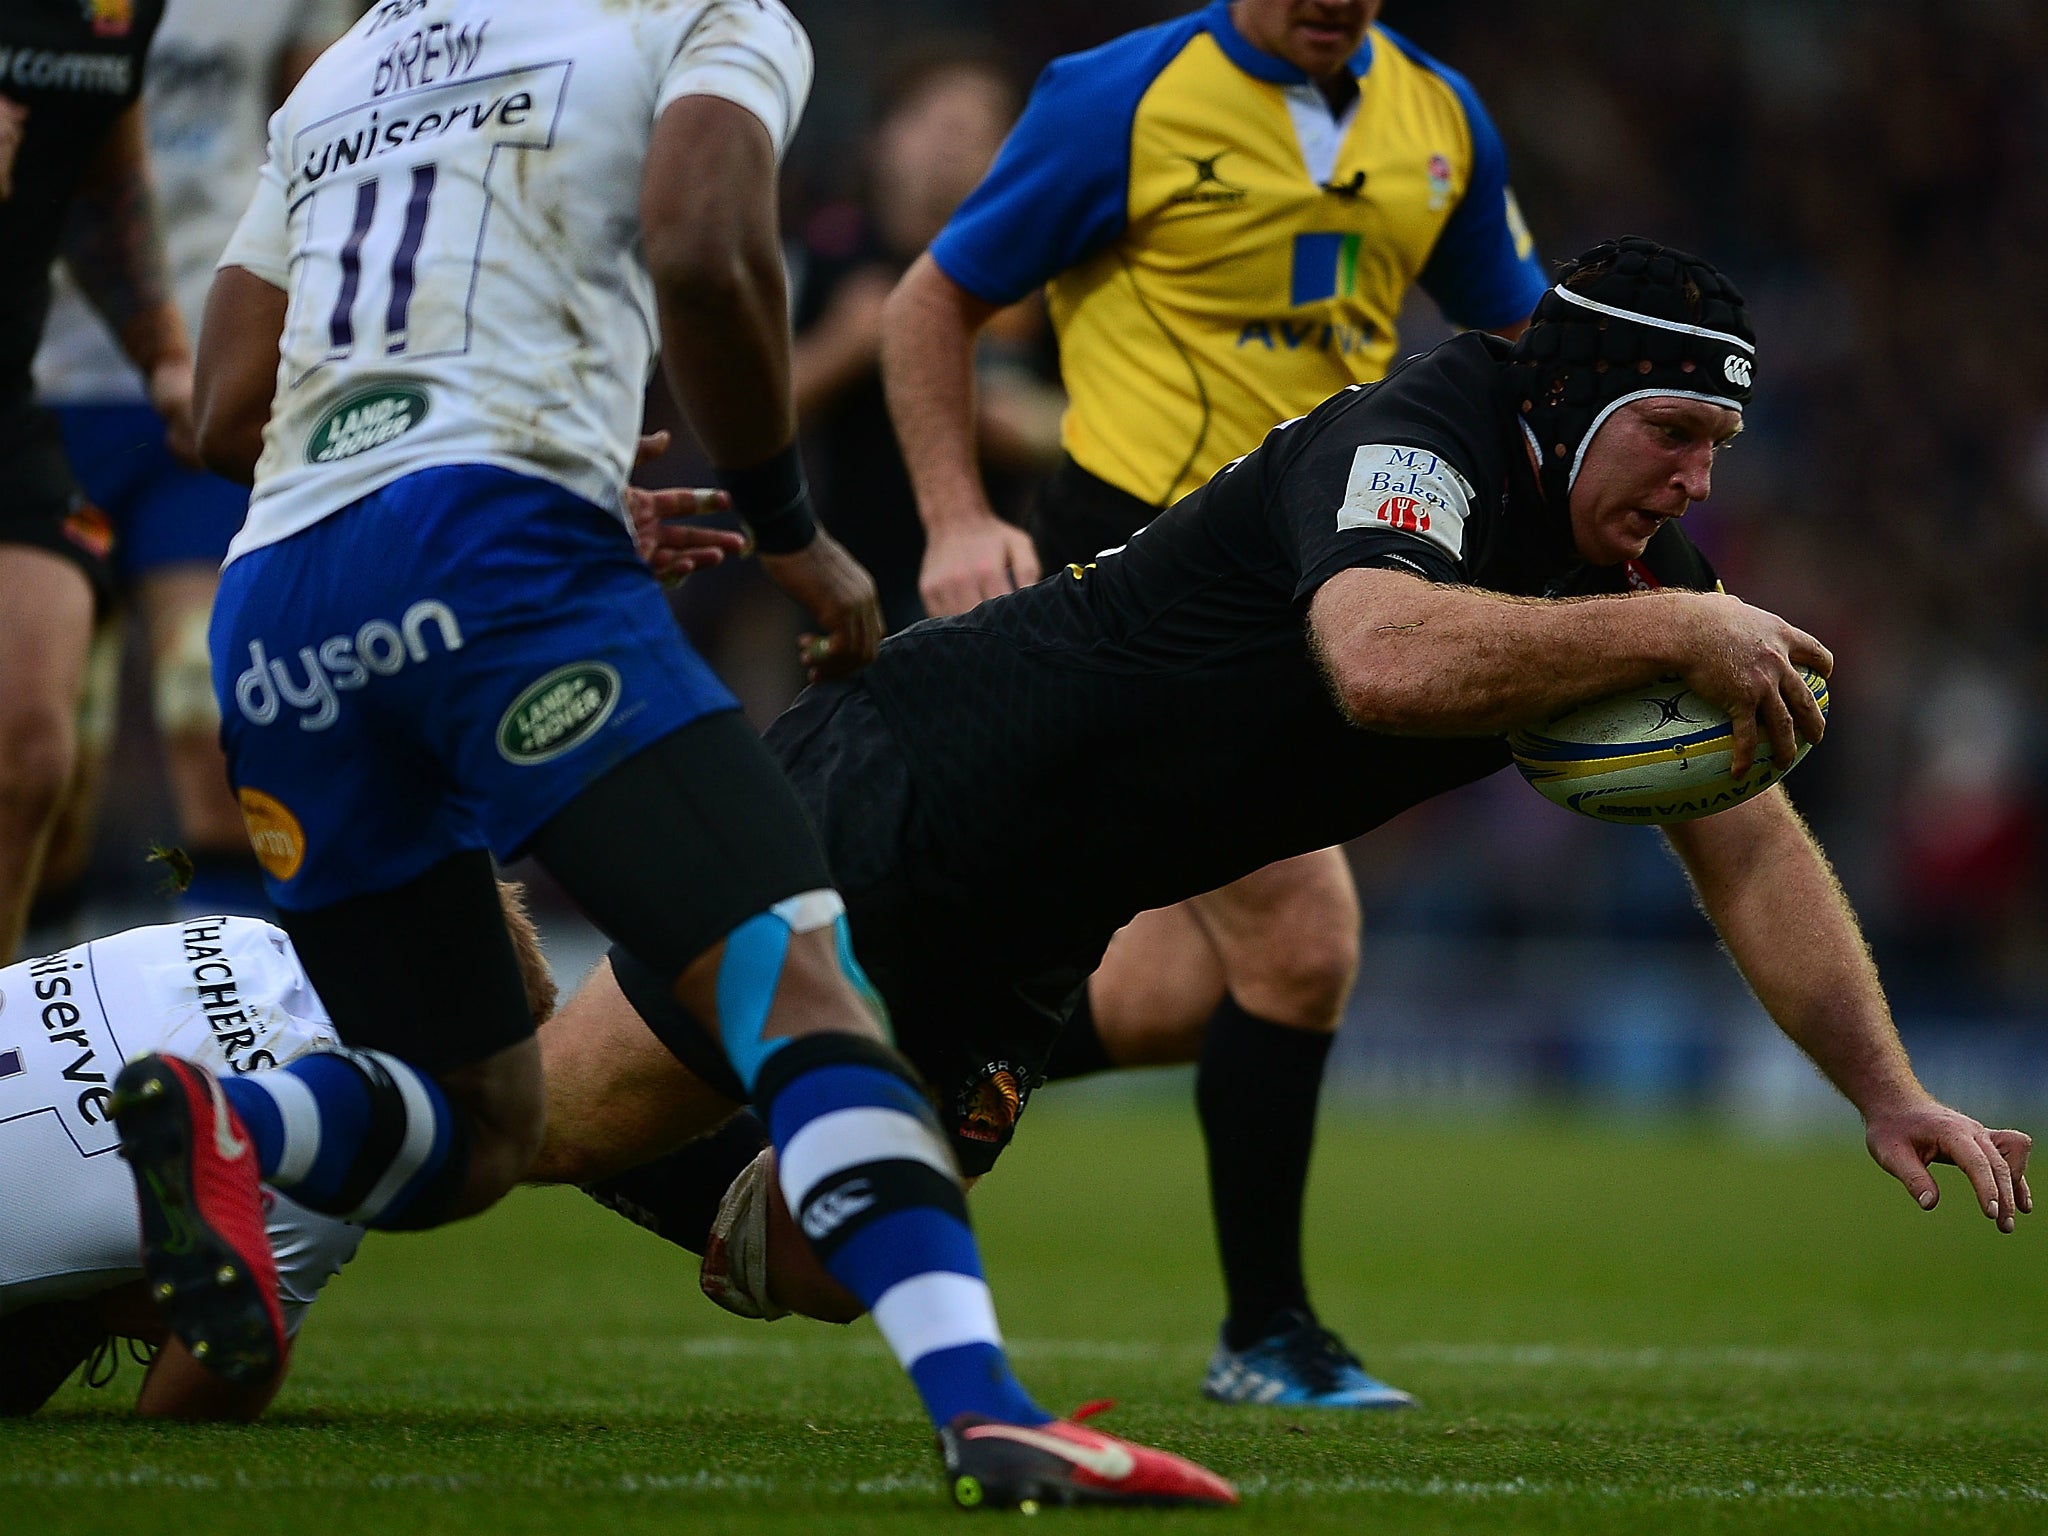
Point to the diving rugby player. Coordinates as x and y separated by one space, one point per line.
1336 627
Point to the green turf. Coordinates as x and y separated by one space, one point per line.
1648 1330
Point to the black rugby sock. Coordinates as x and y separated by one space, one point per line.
1256 1090
1078 1050
677 1197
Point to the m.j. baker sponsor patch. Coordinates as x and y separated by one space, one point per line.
364 419
1409 490
560 711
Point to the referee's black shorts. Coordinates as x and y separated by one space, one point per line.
41 505
976 1029
1076 516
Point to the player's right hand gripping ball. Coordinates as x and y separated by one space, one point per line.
1650 756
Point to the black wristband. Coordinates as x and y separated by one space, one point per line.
774 501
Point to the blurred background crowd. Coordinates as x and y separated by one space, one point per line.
1874 175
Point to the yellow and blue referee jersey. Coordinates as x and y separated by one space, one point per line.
1217 257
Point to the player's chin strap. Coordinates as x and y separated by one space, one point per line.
1628 320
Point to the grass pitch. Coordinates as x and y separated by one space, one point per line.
1656 1329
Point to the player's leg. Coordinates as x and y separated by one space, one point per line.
67 857
46 615
1149 1002
176 601
176 523
615 1091
727 893
1288 939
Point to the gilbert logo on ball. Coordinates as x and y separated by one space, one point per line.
1654 755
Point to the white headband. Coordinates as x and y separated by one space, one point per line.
1663 325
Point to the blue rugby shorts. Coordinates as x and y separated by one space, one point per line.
440 666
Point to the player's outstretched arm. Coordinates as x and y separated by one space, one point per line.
1428 659
237 372
928 331
1773 896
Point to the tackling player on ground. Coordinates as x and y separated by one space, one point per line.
434 642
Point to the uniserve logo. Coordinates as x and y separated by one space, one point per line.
364 419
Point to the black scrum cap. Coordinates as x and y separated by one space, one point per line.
1628 319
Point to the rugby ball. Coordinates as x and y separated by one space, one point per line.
1650 756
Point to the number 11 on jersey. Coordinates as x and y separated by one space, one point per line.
391 211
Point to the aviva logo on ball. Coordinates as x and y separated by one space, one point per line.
560 711
365 419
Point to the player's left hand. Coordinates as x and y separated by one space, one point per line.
170 393
1905 1141
839 593
674 550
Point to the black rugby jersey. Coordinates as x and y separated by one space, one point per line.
1153 725
76 65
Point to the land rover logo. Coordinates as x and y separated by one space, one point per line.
562 710
367 419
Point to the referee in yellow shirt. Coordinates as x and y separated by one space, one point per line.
1226 212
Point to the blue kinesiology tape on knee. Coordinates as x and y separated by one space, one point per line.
751 970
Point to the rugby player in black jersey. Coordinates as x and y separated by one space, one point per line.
73 182
1338 626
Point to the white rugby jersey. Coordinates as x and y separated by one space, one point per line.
227 992
452 201
208 88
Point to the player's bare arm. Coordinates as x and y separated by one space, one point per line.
114 249
236 374
709 224
928 331
1421 658
1775 901
13 128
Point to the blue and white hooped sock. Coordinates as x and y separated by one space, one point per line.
356 1134
873 1185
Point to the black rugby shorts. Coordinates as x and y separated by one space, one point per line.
1075 516
41 506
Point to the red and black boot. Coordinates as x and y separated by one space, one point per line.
205 1244
992 1465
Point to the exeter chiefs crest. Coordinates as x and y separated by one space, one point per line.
988 1106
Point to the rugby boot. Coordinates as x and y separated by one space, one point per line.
992 1465
205 1245
1300 1364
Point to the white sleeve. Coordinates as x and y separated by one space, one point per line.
310 1250
749 52
261 242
